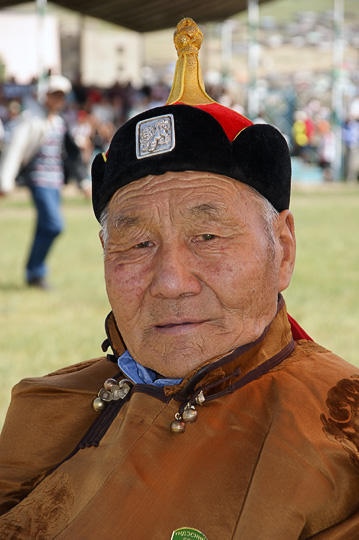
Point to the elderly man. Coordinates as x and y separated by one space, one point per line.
218 417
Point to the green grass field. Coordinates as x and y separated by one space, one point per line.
42 331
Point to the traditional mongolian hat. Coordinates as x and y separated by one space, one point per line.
192 132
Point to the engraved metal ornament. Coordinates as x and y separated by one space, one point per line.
113 391
105 395
155 136
109 383
120 392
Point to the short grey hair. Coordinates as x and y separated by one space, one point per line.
104 224
267 210
269 214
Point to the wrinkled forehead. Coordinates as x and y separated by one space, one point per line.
184 199
181 188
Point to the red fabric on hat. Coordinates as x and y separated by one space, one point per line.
231 121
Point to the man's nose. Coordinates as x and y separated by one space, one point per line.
175 273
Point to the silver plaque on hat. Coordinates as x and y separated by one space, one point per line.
155 136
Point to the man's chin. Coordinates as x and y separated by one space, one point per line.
177 363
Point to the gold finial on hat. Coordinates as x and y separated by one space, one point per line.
188 85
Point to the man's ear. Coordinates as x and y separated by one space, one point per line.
285 234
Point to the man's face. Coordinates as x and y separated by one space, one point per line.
55 101
190 270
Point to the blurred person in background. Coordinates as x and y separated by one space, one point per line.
326 149
103 110
2 134
37 150
92 135
13 119
83 131
351 141
303 132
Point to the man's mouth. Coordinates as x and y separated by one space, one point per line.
178 326
178 323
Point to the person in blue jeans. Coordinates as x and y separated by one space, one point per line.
37 149
49 225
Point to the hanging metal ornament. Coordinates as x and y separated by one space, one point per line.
200 399
178 426
189 415
98 405
112 391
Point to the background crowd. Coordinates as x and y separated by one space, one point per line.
93 114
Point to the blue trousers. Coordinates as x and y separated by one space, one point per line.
49 225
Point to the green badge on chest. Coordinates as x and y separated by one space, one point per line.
187 533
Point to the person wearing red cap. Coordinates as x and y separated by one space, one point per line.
214 416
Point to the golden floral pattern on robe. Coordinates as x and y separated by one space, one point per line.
42 514
343 422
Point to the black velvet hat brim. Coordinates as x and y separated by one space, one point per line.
259 156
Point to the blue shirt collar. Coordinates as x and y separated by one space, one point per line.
140 374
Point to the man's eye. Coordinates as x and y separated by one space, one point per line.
143 244
206 237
